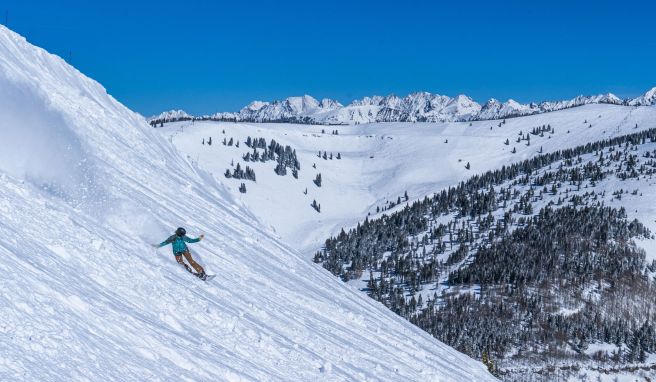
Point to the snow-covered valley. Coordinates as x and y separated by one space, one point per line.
86 186
380 162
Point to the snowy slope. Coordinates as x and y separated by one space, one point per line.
382 161
86 185
415 107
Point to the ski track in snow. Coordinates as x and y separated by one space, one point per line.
86 298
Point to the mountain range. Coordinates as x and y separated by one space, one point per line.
415 107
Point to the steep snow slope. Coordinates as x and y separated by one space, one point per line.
86 185
382 161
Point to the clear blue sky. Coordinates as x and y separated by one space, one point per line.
207 56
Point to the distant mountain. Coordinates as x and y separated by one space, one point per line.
415 107
647 99
171 115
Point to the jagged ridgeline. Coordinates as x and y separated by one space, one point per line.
528 264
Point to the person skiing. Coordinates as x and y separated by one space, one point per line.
179 241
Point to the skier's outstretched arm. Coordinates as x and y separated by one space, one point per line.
165 242
196 240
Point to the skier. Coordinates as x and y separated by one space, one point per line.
179 241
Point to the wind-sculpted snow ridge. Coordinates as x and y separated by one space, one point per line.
85 185
416 107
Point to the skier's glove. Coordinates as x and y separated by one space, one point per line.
154 245
201 236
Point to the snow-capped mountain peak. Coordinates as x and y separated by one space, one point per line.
256 105
647 99
171 115
330 104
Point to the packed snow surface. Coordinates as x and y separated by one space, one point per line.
86 185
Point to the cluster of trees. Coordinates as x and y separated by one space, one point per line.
327 156
228 142
540 130
573 245
316 206
285 156
239 173
390 204
527 277
491 239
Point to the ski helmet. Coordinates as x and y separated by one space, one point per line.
180 231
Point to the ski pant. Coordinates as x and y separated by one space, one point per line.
187 255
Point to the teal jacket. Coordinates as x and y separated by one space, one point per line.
179 243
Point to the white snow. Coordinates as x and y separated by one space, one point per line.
86 185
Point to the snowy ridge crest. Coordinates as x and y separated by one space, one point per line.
415 107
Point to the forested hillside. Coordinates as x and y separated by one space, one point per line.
531 265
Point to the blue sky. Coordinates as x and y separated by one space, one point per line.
207 56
